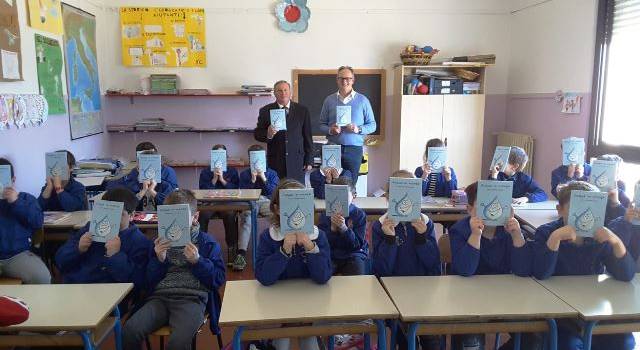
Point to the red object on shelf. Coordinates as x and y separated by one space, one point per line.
292 13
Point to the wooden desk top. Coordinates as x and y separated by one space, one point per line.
598 297
57 307
536 218
380 204
243 195
74 221
342 298
456 298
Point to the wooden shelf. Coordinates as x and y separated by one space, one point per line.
233 163
242 130
132 96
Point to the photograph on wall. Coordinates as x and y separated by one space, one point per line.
45 15
10 56
83 85
49 67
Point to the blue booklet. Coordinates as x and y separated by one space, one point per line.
5 178
258 161
493 203
501 157
278 119
331 156
296 211
405 199
336 199
174 224
587 211
218 159
105 220
57 165
636 201
603 174
149 167
437 158
343 115
573 151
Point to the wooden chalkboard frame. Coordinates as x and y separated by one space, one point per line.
370 140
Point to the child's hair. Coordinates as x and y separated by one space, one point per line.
149 151
124 195
564 195
71 159
399 173
146 146
182 196
255 148
432 143
613 157
472 193
345 180
518 156
275 197
219 146
5 161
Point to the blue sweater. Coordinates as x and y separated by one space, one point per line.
209 270
361 115
272 265
629 234
350 243
496 256
231 176
18 220
169 182
524 186
559 177
406 254
128 265
266 187
590 258
443 187
318 181
73 198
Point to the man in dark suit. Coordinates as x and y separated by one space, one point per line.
290 151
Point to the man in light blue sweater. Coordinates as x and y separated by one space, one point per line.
351 135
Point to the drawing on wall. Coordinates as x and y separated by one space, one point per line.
45 15
571 103
10 56
293 15
49 67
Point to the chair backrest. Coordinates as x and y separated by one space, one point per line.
445 249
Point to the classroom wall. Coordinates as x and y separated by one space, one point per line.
25 147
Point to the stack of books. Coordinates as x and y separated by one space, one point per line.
255 90
150 124
120 127
177 127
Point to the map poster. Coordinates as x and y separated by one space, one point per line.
163 37
83 85
49 67
10 57
45 15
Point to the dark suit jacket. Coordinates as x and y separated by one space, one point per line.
288 151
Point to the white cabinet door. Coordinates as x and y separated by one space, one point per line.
463 125
421 121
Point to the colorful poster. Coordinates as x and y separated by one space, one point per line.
49 66
10 56
45 15
83 85
163 36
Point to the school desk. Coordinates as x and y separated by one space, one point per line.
546 205
87 312
251 308
536 218
91 180
600 299
480 304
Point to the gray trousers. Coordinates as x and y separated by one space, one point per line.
26 266
184 314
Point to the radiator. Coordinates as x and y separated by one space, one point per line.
520 140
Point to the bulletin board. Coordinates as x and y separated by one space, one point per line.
10 56
163 37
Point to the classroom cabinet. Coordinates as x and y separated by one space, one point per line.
458 119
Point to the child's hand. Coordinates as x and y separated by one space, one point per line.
603 235
290 239
477 226
112 246
328 175
145 185
579 171
632 213
565 233
57 183
49 184
10 194
614 200
335 174
571 170
254 176
304 241
419 225
190 252
262 176
426 170
338 222
513 227
152 189
215 178
160 246
389 227
446 171
85 242
494 171
520 200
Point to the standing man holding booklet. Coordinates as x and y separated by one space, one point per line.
286 128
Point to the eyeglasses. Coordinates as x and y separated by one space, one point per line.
345 78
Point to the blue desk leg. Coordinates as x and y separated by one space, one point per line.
411 336
367 341
254 231
382 335
394 333
553 334
237 345
86 339
516 341
331 342
588 332
117 329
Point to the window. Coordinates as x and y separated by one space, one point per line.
615 112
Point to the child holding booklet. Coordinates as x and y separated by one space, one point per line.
525 189
577 170
63 195
294 255
183 281
436 184
346 235
330 170
558 251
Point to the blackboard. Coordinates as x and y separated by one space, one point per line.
311 87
